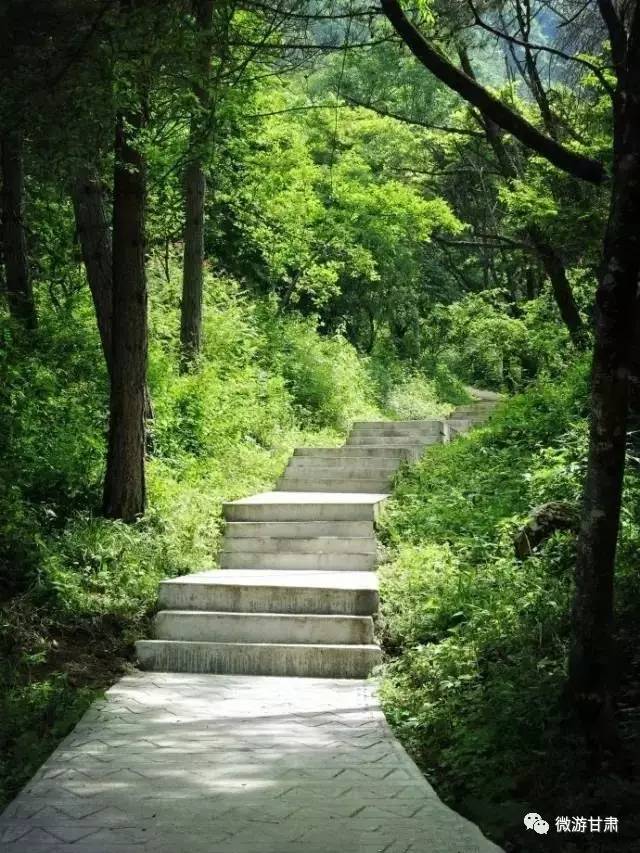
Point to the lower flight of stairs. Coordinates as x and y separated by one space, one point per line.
297 589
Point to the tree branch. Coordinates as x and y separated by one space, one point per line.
569 161
388 114
539 47
496 243
310 16
615 27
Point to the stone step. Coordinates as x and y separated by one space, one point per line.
335 484
354 487
291 562
480 405
305 506
320 593
212 627
411 450
383 437
301 545
366 439
297 529
483 410
423 426
472 417
370 466
311 661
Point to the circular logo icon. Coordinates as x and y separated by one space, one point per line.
534 821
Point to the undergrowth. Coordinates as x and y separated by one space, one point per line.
476 638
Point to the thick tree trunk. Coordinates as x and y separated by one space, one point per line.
94 234
16 261
124 489
195 194
615 333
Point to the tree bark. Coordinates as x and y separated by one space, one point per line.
616 331
195 194
17 275
124 488
94 234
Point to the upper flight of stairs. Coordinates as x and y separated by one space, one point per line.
298 591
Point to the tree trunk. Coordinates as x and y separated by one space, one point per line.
193 264
94 234
16 261
615 332
531 283
124 488
554 268
195 193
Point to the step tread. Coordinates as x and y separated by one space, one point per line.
297 646
298 529
301 579
309 451
284 497
307 545
241 614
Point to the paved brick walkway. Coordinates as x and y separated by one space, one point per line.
172 763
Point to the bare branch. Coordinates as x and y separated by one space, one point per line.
540 47
414 121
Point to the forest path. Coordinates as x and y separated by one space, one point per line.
184 763
220 750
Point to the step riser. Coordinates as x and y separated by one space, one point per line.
297 661
294 562
476 407
370 467
313 484
300 512
358 452
321 544
424 426
263 628
259 599
474 419
297 529
384 434
395 441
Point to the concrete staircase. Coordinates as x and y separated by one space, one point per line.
298 591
